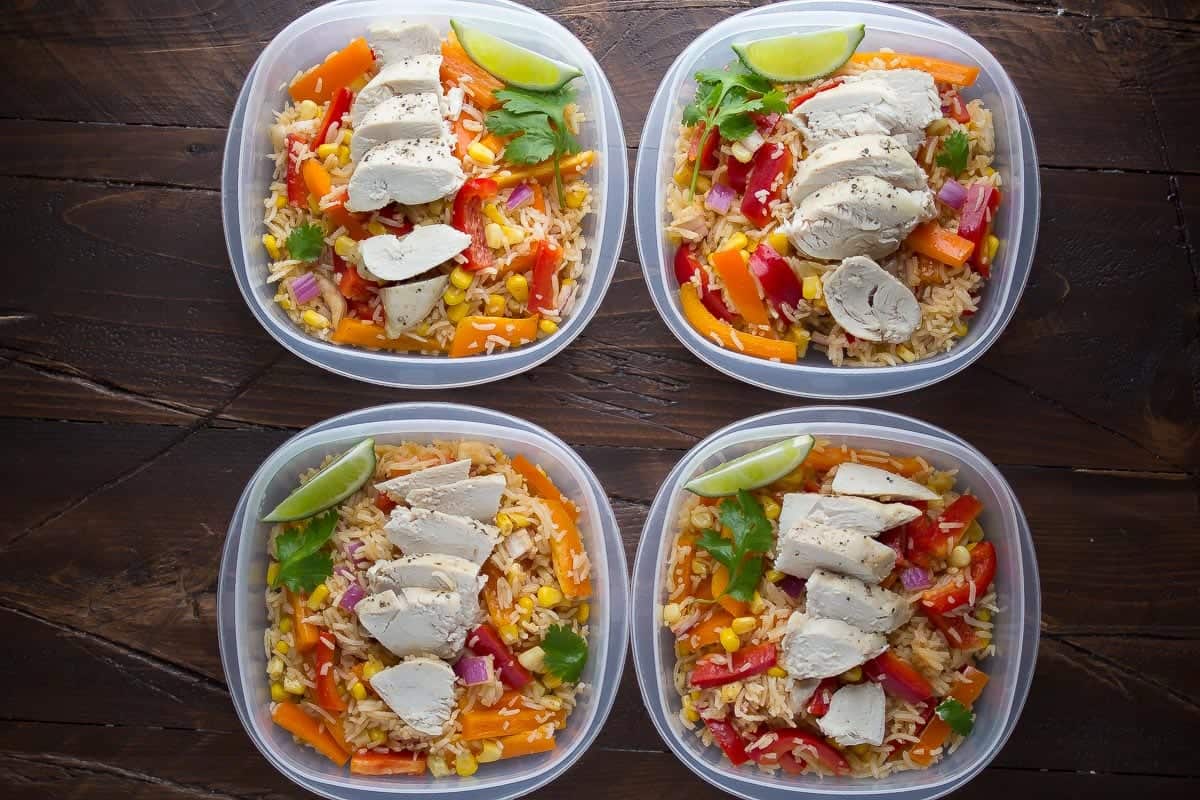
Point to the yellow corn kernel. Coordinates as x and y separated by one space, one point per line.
674 238
672 613
741 152
494 234
703 184
779 243
983 615
344 246
371 669
510 634
691 715
423 329
743 625
575 197
318 597
993 244
461 278
745 254
774 575
811 287
960 328
512 235
694 696
376 228
906 354
315 319
519 520
548 326
280 201
314 204
525 602
457 313
548 596
730 692
481 154
492 212
852 675
960 557
278 695
272 573
552 703
504 523
272 246
533 659
308 109
801 337
495 305
293 685
518 287
551 681
730 640
699 568
974 533
281 647
437 766
489 751
454 296
757 604
777 672
376 736
324 151
285 303
683 176
771 509
343 155
585 612
285 625
359 691
735 242
989 171
275 667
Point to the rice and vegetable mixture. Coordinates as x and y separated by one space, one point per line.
726 200
521 642
522 203
904 702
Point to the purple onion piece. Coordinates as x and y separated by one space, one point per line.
915 578
519 197
719 198
351 597
792 585
953 194
304 288
473 670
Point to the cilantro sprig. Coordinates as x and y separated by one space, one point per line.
954 152
305 242
725 100
302 564
742 555
538 121
566 653
960 718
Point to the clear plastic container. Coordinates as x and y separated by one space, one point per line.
887 26
246 177
242 613
1016 633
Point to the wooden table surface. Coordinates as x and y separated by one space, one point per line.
138 394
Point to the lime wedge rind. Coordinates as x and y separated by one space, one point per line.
800 57
515 65
754 469
339 479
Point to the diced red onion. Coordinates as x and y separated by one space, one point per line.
346 573
353 546
915 578
473 670
351 597
519 197
304 288
792 585
953 194
719 197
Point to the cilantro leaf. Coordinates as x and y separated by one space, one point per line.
306 242
532 147
719 548
505 123
960 718
954 152
751 529
737 127
742 556
301 566
566 653
538 121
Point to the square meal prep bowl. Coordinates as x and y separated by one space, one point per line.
1016 633
242 613
887 26
247 169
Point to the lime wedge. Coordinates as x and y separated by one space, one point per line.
801 56
511 63
343 477
753 470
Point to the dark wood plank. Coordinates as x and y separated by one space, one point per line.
1177 10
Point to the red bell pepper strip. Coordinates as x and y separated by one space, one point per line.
351 284
776 278
297 191
369 762
898 677
746 663
706 146
485 641
952 595
811 93
764 123
324 657
687 265
976 222
541 291
787 739
385 503
737 173
339 105
818 704
728 739
955 108
931 539
958 632
897 539
468 218
768 166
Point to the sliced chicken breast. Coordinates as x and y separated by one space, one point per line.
414 621
408 171
856 715
397 258
398 40
399 487
419 531
899 103
405 305
852 513
863 481
420 691
405 116
870 303
809 546
439 573
859 216
411 75
478 498
822 648
874 154
869 608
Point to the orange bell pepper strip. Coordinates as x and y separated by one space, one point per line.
462 139
316 177
496 612
304 634
723 334
708 630
570 167
471 335
488 723
539 740
682 574
540 484
369 762
827 458
931 239
367 334
944 71
456 64
539 197
324 658
321 82
292 719
719 583
566 547
938 730
740 285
